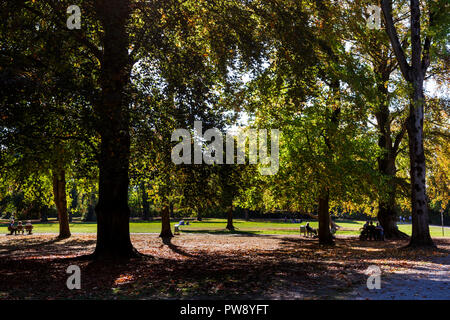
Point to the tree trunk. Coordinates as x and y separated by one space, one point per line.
387 213
44 217
246 214
325 237
166 231
59 195
113 212
414 73
230 219
420 223
171 212
90 215
145 204
199 214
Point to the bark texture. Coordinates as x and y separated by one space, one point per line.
166 232
325 237
414 73
113 213
230 225
59 196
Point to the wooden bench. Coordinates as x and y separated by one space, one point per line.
12 229
29 228
20 229
303 230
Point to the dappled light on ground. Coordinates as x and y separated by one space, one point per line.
202 266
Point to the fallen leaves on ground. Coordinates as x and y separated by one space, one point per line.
199 266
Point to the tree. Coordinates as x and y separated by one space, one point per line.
414 73
384 98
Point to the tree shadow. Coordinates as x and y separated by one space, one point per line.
25 246
168 242
222 232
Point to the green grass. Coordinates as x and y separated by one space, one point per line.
217 226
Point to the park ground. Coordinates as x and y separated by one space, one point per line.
220 265
217 226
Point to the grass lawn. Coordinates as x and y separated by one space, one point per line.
217 226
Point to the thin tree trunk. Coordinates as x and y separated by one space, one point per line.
199 214
325 237
246 214
59 195
90 215
44 217
166 231
145 204
112 210
230 218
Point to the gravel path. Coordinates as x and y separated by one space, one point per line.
425 281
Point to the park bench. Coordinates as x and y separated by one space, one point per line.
12 229
303 230
28 228
20 229
370 234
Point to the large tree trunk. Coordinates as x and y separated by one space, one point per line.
387 212
230 218
113 212
420 223
414 73
325 237
59 195
166 231
145 204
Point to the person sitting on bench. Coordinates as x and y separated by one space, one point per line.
310 230
12 228
379 232
20 227
28 227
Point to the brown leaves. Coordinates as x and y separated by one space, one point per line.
195 266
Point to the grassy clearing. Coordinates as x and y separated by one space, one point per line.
217 226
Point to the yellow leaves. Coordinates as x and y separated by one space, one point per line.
123 279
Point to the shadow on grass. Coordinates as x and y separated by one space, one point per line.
223 231
337 221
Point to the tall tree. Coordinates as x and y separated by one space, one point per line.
373 49
414 73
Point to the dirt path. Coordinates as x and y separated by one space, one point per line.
424 281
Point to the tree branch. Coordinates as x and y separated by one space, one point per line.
399 136
386 5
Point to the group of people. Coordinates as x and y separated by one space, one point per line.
371 232
20 227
